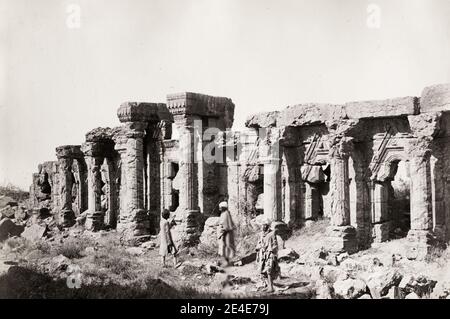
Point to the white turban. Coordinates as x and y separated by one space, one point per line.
223 205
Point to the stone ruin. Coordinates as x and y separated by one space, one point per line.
339 162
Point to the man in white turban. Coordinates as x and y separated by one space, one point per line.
226 234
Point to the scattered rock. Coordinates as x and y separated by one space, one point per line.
148 245
352 265
394 293
8 211
60 263
412 295
333 274
287 255
89 251
383 280
34 232
341 257
237 280
349 288
323 290
246 260
9 229
212 269
5 200
220 280
209 234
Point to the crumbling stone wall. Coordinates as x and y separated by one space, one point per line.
307 161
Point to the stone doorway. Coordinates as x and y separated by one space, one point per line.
391 203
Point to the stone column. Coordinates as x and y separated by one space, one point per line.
187 213
341 234
272 189
67 216
420 236
66 155
95 216
381 226
312 204
133 221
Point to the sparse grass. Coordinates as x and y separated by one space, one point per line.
14 192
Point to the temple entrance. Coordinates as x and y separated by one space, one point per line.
316 190
399 200
391 202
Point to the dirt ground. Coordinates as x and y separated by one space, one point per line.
79 264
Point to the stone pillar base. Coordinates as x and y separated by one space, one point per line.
67 218
419 244
95 221
381 231
135 227
341 239
187 229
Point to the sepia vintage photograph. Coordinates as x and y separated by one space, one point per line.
238 150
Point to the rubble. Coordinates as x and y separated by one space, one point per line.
9 229
34 232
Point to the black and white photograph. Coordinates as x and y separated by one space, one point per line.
226 154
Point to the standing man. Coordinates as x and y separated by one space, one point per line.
267 255
226 234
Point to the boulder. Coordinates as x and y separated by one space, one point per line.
382 280
60 263
349 288
412 296
209 234
6 200
421 285
20 214
246 260
9 229
148 245
394 293
212 269
333 274
323 290
8 211
35 232
287 255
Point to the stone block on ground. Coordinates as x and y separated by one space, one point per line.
349 288
9 229
34 232
383 280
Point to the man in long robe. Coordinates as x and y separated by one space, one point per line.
226 234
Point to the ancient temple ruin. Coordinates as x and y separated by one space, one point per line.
301 163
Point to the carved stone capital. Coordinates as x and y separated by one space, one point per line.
69 151
341 147
143 112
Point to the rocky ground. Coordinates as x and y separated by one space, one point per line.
80 264
38 260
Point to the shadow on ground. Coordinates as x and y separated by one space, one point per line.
24 283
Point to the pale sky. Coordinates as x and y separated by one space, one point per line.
58 82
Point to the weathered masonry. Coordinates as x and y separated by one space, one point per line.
377 169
